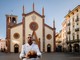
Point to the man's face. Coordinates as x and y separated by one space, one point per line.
29 40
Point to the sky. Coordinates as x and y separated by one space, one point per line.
53 10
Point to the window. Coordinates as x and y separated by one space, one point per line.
73 26
73 36
73 19
49 36
77 23
13 20
77 36
33 26
77 18
69 37
16 35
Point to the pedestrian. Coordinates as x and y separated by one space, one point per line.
30 51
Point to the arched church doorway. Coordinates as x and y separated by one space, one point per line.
48 48
16 48
76 47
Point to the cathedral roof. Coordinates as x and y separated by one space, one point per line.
33 12
48 26
16 25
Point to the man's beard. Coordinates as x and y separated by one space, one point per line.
30 42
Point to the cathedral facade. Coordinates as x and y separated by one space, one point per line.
32 23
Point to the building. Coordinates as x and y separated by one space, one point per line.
64 44
73 29
3 45
59 41
32 23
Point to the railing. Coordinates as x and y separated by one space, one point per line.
68 32
77 40
73 41
68 24
77 20
76 29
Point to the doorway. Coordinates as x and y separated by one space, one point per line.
48 48
76 47
16 48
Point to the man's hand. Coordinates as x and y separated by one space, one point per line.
31 54
28 55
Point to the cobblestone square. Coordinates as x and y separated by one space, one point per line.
45 56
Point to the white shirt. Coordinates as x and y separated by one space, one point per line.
26 48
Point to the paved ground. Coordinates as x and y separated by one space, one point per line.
46 56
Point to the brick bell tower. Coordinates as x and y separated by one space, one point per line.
11 20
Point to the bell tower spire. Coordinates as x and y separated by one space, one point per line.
23 9
33 6
54 23
43 11
54 31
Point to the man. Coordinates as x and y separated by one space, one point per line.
30 51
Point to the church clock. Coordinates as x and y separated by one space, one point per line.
33 26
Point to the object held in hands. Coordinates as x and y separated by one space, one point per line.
32 54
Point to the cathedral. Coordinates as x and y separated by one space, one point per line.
32 23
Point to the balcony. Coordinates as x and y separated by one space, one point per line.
77 20
68 24
68 32
77 40
76 29
67 42
73 41
70 42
